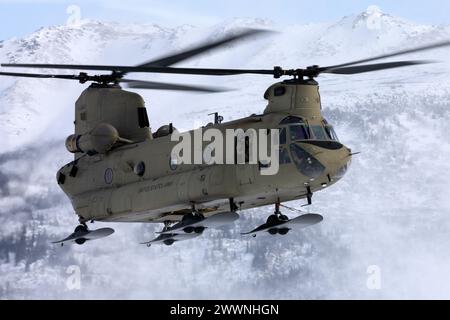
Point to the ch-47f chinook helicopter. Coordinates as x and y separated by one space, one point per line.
122 172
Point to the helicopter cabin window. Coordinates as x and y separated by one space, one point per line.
143 118
284 156
283 136
279 91
246 150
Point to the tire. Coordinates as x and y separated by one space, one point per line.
80 241
81 227
199 229
168 242
283 218
272 220
189 229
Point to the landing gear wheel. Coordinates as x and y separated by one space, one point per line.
272 219
282 217
189 229
199 229
80 241
169 242
81 227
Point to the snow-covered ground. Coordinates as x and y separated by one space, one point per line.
390 211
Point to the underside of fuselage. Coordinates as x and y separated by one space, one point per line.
207 208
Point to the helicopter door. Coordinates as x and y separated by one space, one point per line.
244 172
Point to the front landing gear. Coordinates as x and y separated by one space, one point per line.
82 228
278 223
276 219
277 216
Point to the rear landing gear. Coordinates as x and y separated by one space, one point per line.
81 234
192 218
169 242
82 228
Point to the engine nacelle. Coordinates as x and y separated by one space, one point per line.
100 140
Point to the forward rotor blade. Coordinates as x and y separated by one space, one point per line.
138 84
394 54
40 75
375 67
207 46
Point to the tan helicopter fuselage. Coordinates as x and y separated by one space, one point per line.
134 179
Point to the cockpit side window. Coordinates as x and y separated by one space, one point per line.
319 132
330 133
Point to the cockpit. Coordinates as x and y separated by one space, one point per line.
294 131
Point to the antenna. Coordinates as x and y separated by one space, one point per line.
217 118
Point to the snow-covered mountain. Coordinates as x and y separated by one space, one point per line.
390 211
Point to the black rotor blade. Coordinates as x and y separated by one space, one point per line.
139 84
207 46
121 69
394 54
374 67
40 75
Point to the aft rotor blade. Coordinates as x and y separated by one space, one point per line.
159 65
374 67
394 54
121 69
207 46
40 75
139 84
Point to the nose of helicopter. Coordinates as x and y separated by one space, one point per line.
336 162
327 160
341 163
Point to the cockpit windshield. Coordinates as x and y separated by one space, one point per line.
298 129
299 132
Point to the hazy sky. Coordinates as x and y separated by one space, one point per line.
19 17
